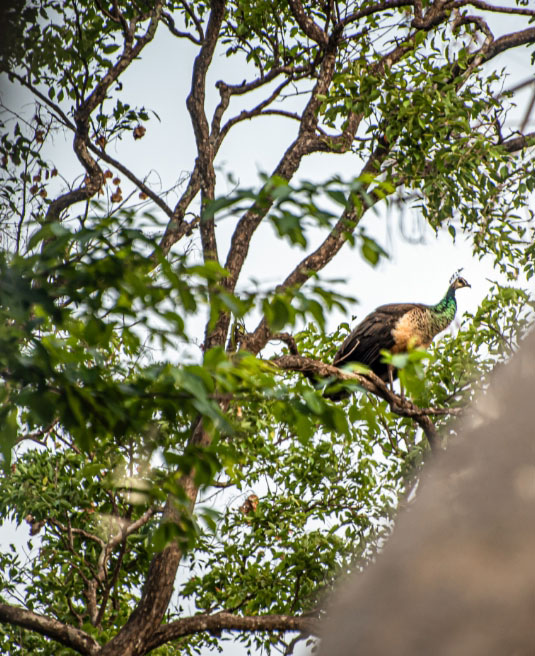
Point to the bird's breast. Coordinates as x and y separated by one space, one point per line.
411 331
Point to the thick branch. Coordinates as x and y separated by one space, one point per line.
309 27
508 41
177 227
519 142
133 638
228 622
306 143
51 628
288 340
332 244
342 142
134 635
286 168
491 50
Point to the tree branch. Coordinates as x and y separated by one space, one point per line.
307 142
140 627
195 105
177 227
128 173
309 27
148 614
508 41
486 7
228 622
248 114
373 9
286 168
334 241
129 54
288 340
95 177
76 531
371 383
194 18
66 635
54 107
332 244
519 142
170 23
125 529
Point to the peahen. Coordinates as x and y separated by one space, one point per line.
396 327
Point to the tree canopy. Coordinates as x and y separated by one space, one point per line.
180 482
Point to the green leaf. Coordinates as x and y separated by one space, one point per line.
9 433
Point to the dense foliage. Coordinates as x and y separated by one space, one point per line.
129 443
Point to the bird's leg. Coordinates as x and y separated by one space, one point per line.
391 377
391 380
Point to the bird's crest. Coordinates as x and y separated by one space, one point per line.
456 275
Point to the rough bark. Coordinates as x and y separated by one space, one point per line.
65 634
230 622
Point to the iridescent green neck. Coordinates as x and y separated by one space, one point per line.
444 311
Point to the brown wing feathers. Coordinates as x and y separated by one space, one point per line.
374 333
396 327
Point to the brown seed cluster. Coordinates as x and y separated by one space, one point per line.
139 132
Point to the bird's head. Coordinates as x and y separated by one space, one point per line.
459 282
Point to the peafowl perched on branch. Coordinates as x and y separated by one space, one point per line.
396 327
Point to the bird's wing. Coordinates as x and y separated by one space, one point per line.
397 310
374 333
